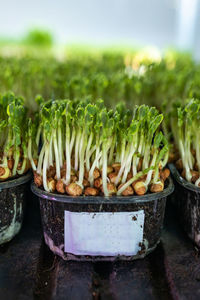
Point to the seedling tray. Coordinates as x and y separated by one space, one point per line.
186 198
99 228
12 201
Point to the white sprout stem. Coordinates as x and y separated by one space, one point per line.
197 182
134 167
60 147
149 175
68 155
30 154
45 168
51 152
123 164
77 150
72 140
91 177
56 155
88 151
5 162
128 164
134 178
165 160
104 172
21 171
81 157
185 161
197 151
40 160
91 151
140 151
122 150
146 158
97 150
111 152
16 159
117 155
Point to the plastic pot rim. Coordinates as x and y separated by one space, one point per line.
15 182
176 175
101 199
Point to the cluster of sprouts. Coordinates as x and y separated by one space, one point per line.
185 123
87 149
13 137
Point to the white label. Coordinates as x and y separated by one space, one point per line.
104 233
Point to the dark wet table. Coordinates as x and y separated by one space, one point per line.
28 270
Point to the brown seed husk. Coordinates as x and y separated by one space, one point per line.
193 151
6 175
111 189
116 167
109 169
139 167
86 175
2 171
183 173
128 191
60 187
10 163
19 166
195 176
96 173
74 178
62 173
91 191
73 189
157 187
86 183
172 157
164 174
112 177
51 172
35 161
129 176
38 179
142 178
196 167
51 183
98 182
179 164
139 188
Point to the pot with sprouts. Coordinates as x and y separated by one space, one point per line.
14 164
101 179
184 119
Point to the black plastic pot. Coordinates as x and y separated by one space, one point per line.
99 228
186 198
12 200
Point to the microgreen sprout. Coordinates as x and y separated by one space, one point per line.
13 137
87 148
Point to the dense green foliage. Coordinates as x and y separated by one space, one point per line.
79 137
184 121
87 75
13 136
113 76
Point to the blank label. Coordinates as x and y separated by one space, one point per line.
104 233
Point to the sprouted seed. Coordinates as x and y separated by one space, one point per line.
87 149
